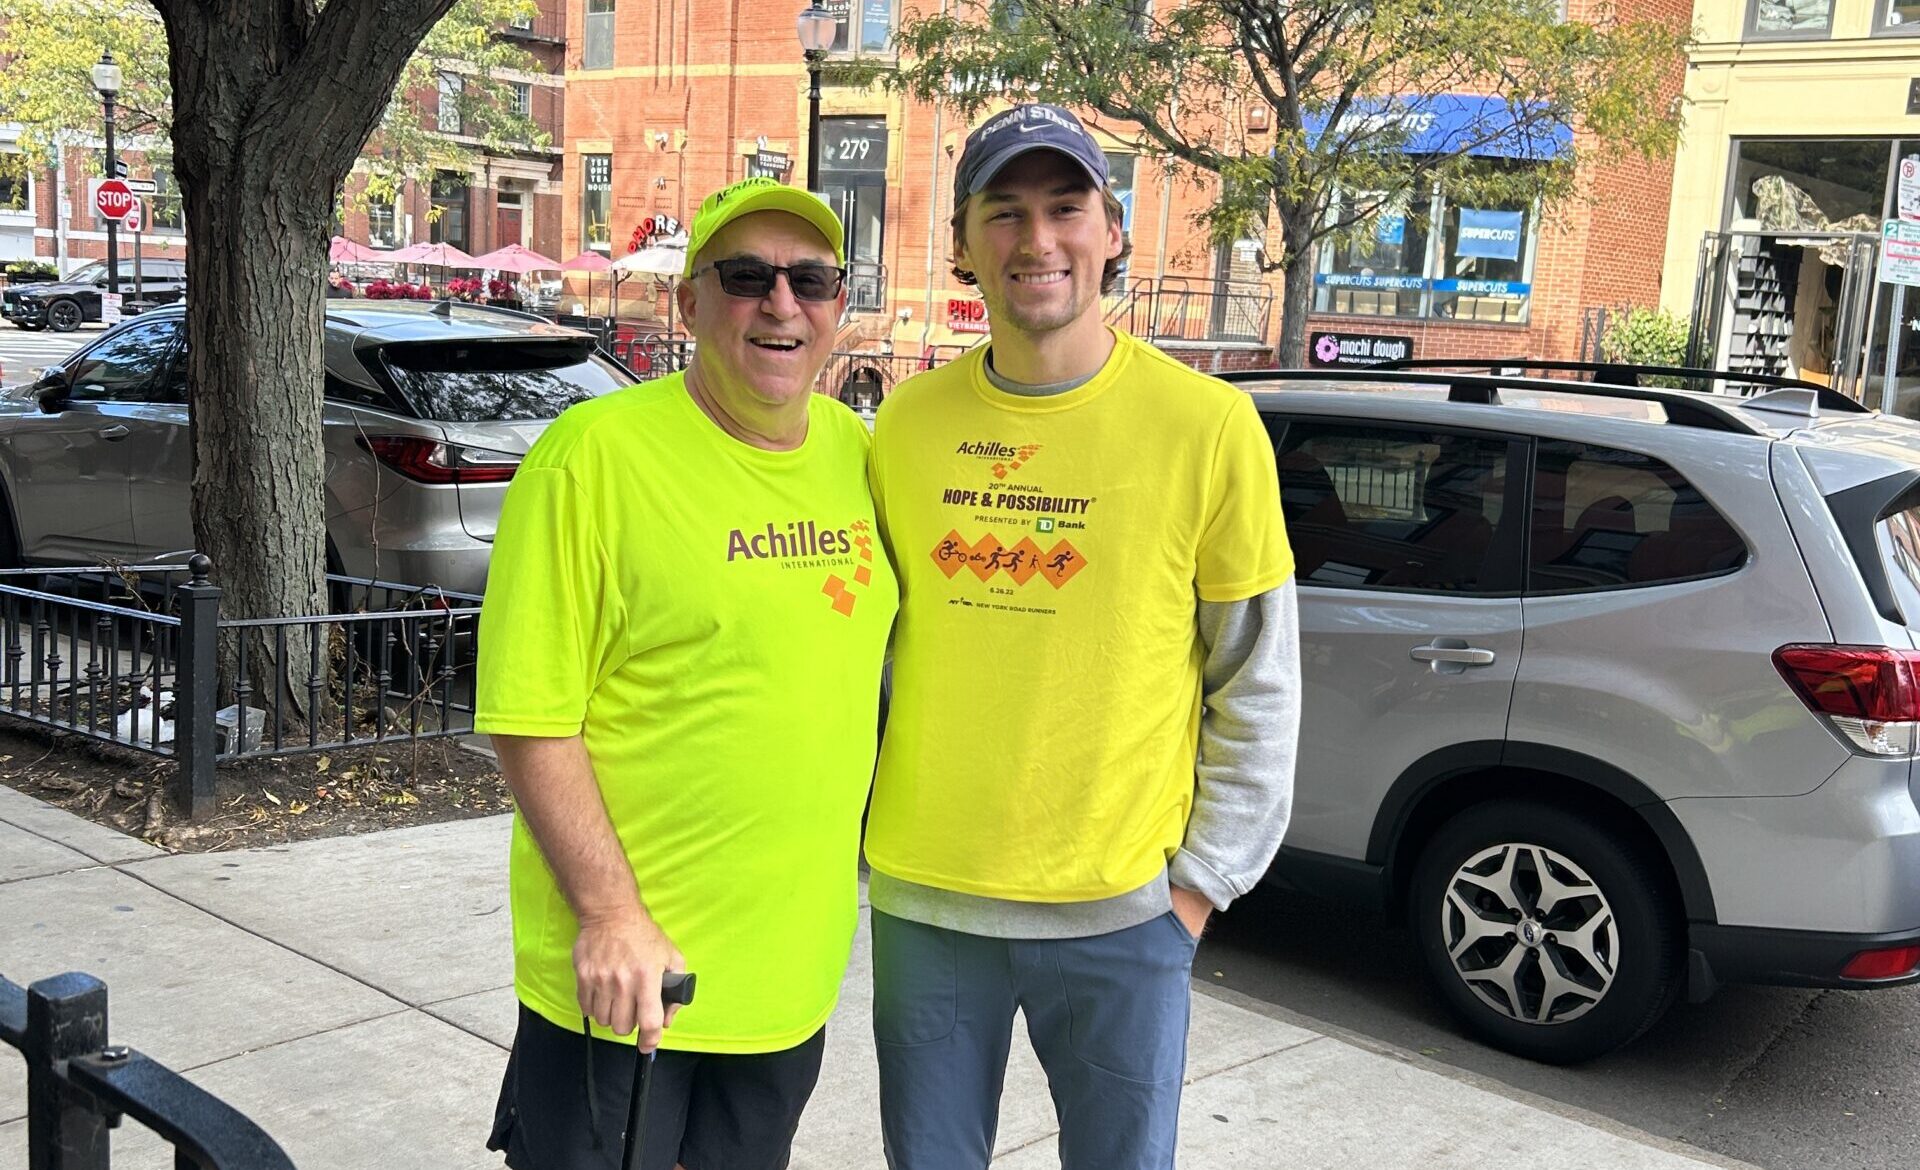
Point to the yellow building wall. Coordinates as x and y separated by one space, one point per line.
1851 85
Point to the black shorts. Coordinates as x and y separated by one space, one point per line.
704 1111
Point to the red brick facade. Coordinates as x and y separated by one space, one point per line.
693 88
533 175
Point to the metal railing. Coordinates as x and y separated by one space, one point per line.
138 665
79 1087
649 355
862 380
550 27
1179 308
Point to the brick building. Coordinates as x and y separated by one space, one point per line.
669 100
494 197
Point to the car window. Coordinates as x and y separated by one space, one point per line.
1610 519
1383 507
480 381
125 366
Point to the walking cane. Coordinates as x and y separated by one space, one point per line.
675 987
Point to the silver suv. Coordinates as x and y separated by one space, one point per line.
428 412
1611 691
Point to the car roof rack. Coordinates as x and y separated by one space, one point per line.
1687 408
1635 374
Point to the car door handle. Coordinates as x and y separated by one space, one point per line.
115 433
1454 655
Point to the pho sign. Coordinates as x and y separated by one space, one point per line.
967 315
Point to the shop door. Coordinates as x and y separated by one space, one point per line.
506 225
853 177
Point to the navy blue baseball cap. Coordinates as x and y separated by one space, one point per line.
1022 130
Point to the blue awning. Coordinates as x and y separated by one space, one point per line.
1450 123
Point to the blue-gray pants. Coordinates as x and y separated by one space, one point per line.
1107 1016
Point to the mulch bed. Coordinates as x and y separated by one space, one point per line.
267 801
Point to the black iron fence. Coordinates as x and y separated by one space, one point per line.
649 355
79 1087
133 658
1179 308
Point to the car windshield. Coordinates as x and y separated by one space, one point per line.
482 381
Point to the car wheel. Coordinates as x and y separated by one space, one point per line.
1548 935
65 315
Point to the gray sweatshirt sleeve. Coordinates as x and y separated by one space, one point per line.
1249 729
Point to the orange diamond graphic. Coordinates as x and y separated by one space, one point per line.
988 556
1000 470
1026 561
951 553
837 589
863 576
1060 563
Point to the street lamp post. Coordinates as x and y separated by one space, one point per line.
817 27
106 79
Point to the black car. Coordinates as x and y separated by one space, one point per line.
65 304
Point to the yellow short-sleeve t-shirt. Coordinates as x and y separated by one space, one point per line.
712 618
1046 668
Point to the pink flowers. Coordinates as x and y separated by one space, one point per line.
388 290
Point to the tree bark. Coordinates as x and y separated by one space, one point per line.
273 100
1296 299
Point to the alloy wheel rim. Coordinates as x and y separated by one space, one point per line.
1530 933
63 313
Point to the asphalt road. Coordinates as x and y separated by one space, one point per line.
1784 1079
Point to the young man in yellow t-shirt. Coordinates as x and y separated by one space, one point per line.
1095 682
685 618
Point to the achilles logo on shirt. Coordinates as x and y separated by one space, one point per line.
800 538
1007 457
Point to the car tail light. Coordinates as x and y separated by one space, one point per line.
427 461
1870 694
1889 963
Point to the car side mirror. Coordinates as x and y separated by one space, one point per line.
53 392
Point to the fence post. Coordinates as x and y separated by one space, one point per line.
196 690
66 1017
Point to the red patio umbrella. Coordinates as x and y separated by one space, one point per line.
341 250
588 262
514 258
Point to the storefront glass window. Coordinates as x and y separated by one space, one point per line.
1811 185
1484 264
596 202
866 25
1381 273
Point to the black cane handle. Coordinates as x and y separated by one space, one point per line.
676 987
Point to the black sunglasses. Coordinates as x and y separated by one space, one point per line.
754 278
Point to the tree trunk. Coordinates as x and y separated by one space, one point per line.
273 100
1296 299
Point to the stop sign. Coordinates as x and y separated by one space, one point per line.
113 199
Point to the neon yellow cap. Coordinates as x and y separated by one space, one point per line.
762 194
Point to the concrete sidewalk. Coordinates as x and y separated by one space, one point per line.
353 997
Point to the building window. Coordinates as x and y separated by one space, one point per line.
597 52
16 195
450 197
596 201
1120 178
448 115
523 98
168 207
1901 17
1378 273
1811 185
864 25
523 23
383 224
1790 19
853 179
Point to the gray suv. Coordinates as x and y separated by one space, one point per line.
1611 691
428 412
